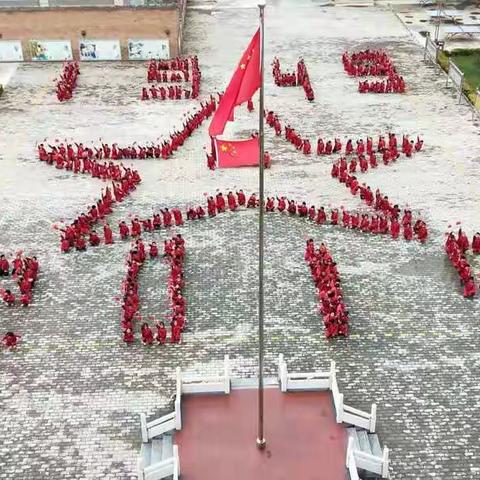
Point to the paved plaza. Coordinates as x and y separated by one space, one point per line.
72 392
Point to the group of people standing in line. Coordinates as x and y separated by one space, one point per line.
174 253
331 147
68 81
456 248
24 270
80 158
173 71
376 64
298 78
81 231
327 282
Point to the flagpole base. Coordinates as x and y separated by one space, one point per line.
261 443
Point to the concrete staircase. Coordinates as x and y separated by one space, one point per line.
367 443
158 450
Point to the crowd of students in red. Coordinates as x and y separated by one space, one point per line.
84 159
327 282
68 81
456 248
376 64
174 252
24 270
174 71
166 218
81 230
298 78
330 147
386 222
389 152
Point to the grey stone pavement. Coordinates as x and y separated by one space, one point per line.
71 394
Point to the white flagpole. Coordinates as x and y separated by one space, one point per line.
261 442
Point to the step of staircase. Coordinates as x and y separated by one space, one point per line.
352 432
375 444
167 446
146 453
363 441
368 443
157 452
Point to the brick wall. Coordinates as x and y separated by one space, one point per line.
99 23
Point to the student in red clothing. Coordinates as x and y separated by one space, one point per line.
470 289
407 231
232 201
462 241
153 251
94 239
107 234
64 245
176 333
177 215
8 297
124 230
10 340
476 243
4 266
147 334
161 333
128 336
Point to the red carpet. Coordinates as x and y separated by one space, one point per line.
217 441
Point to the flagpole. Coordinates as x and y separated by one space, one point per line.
261 442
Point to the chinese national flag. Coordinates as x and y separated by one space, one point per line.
244 83
239 153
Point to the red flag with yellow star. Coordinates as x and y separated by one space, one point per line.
238 153
244 83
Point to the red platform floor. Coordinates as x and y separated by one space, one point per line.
217 440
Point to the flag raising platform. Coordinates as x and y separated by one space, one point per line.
212 436
304 440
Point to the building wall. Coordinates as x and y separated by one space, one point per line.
98 23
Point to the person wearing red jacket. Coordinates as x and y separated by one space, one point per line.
8 297
107 234
176 333
147 334
161 333
232 202
270 205
476 243
80 243
252 201
307 149
124 230
470 289
167 218
64 245
241 198
177 215
153 251
128 336
4 266
462 241
94 239
321 216
211 207
220 202
407 231
10 339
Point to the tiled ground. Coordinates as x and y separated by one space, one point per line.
72 392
